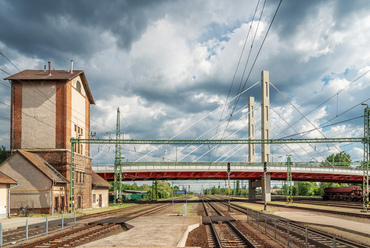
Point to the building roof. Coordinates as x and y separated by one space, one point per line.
5 179
134 191
44 166
34 75
98 181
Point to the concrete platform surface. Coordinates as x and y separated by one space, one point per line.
321 219
152 231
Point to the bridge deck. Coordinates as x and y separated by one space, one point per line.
239 171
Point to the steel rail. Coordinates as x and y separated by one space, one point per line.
234 228
214 233
292 224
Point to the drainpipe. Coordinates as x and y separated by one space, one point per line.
9 198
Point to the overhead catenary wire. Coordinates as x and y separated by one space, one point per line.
242 78
255 60
237 66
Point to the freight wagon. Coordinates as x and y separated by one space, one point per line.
353 193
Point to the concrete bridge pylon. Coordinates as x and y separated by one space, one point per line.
265 181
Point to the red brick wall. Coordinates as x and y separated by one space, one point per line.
61 160
16 116
60 116
68 114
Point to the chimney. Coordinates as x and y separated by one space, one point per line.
72 66
49 68
44 68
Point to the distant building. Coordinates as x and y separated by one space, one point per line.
100 187
48 107
5 184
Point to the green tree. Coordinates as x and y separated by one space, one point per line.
3 154
340 159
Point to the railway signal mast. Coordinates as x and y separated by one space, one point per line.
228 179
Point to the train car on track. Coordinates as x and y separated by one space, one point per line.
353 193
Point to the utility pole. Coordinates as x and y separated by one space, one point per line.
289 198
365 181
117 163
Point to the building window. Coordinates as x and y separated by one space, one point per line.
78 86
78 146
94 198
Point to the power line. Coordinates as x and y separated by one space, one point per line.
255 60
237 67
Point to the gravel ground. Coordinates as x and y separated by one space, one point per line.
198 237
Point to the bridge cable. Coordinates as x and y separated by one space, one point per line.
358 78
305 118
211 130
237 67
243 74
298 134
156 148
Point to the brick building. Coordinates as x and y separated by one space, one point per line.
48 107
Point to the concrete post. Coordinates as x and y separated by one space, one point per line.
265 118
251 147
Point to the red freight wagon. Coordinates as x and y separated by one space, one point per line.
353 193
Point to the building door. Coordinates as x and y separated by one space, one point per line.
62 204
100 201
56 204
79 203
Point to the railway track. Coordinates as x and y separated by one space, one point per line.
80 235
224 233
291 233
332 204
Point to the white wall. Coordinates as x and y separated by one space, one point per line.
3 200
38 115
78 110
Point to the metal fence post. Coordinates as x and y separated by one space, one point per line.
265 224
62 221
334 243
288 232
306 238
26 229
47 225
1 234
75 217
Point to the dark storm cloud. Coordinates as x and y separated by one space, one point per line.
58 29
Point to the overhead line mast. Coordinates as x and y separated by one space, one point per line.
117 163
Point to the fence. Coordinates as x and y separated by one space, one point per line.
288 232
16 231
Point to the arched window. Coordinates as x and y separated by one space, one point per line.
78 86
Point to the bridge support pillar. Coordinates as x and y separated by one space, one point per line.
252 191
266 186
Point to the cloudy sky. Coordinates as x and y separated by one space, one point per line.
170 66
